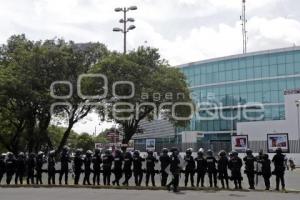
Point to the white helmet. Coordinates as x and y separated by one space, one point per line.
201 150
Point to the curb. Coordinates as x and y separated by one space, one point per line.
144 188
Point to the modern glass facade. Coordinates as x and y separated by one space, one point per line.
232 81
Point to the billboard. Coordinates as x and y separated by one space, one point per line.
239 143
276 140
150 144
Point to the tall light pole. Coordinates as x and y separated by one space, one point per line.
124 21
297 104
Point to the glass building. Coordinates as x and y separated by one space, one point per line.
229 82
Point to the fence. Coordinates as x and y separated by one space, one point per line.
215 146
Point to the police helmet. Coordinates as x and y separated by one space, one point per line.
248 151
222 153
165 150
2 156
51 153
234 153
31 155
136 152
66 148
174 149
128 154
209 152
278 150
201 150
89 152
40 153
150 152
21 154
107 151
97 151
188 151
266 156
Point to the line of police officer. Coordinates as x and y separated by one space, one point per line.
129 164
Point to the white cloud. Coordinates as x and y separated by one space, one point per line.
183 30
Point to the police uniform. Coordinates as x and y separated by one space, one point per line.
107 160
51 168
10 167
118 162
266 170
190 168
96 166
164 163
222 169
150 168
39 167
87 167
137 161
30 168
127 167
64 161
211 169
249 168
175 170
201 168
235 164
78 162
279 161
2 167
20 168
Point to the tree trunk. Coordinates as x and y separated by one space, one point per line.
65 138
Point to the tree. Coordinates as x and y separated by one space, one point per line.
80 58
157 87
27 69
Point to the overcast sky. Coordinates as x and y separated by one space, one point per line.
183 30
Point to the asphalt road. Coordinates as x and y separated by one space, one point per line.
292 180
111 194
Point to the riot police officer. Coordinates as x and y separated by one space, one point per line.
107 160
40 160
235 164
20 168
96 166
266 170
201 167
150 168
222 168
87 167
249 168
279 164
164 163
78 162
190 167
10 164
51 168
64 161
127 167
2 166
118 162
137 167
175 170
211 168
30 168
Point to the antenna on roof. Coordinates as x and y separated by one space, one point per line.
244 21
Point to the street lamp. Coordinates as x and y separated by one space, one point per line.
297 104
124 22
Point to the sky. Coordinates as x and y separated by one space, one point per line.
183 30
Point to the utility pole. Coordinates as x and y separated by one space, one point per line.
244 30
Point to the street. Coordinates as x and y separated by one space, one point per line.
111 194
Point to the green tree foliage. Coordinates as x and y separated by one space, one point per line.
27 69
156 85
